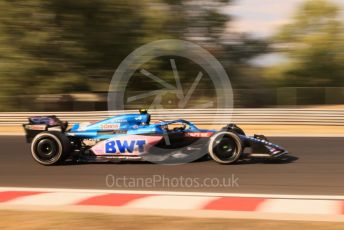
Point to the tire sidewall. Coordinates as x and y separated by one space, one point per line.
59 155
237 141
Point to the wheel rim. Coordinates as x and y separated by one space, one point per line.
225 148
46 149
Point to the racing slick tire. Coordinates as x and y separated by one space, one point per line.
50 148
233 128
225 147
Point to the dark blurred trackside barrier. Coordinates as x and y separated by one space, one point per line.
243 98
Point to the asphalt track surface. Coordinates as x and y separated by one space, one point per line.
316 169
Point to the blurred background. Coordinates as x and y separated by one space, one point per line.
60 55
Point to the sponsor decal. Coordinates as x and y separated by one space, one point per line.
90 142
124 146
110 126
116 120
199 134
129 144
139 118
36 127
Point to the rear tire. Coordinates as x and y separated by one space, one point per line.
225 147
50 148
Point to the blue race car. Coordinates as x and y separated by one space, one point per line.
133 137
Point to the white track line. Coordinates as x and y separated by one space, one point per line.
324 207
170 202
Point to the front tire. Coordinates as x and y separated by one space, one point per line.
225 147
50 148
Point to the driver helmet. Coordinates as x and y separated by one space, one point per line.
143 111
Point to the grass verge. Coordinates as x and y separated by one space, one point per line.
17 220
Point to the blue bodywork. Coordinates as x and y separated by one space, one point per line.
127 124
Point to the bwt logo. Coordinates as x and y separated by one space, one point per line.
124 146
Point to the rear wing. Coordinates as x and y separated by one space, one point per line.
40 124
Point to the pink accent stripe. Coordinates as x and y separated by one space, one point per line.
234 204
11 195
342 207
111 199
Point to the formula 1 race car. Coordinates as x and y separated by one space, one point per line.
133 137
